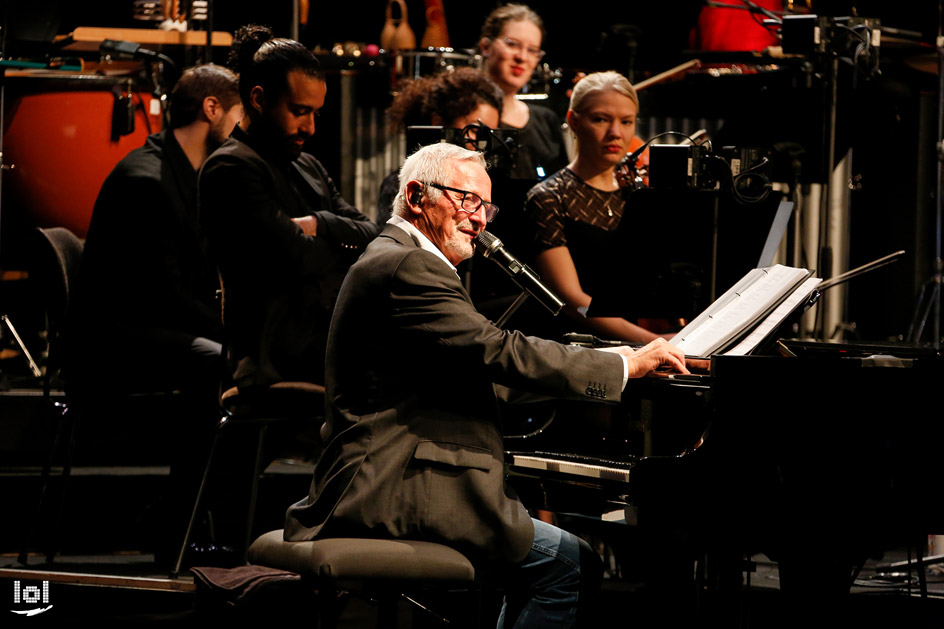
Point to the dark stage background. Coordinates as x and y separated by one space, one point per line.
889 120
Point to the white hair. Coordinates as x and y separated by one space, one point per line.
433 164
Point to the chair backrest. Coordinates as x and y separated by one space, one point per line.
54 269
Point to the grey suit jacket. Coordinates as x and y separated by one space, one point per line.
414 444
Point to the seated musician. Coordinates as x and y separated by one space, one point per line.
459 99
576 211
280 232
414 443
145 276
144 316
511 49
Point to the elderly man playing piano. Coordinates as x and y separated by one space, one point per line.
413 437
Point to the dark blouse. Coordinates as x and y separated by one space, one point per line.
540 145
566 212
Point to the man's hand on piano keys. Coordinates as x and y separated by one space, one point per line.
698 365
659 354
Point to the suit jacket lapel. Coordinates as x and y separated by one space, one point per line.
408 240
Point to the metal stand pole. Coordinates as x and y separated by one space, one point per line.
503 320
3 124
208 54
929 299
825 262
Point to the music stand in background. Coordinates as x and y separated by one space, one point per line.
778 228
673 247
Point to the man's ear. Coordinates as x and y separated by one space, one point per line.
212 108
484 45
414 195
257 98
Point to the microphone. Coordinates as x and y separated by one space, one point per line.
133 50
493 249
698 138
630 159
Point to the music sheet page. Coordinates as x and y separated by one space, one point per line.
770 323
738 308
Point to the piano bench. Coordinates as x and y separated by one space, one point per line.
381 569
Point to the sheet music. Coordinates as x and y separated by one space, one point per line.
738 308
731 294
775 318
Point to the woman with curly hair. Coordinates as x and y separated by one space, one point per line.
459 99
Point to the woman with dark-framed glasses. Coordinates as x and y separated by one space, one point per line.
510 45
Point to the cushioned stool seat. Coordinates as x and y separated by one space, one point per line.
281 399
384 565
346 558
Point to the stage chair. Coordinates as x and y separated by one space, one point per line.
54 268
259 408
57 255
382 569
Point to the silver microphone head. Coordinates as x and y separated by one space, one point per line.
487 243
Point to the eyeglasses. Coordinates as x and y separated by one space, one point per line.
470 202
518 47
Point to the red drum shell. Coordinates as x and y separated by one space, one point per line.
58 147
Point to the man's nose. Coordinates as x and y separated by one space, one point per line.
478 217
308 124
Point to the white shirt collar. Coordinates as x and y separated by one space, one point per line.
420 238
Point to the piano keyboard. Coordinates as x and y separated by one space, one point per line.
586 467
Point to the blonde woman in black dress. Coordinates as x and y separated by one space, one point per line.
576 211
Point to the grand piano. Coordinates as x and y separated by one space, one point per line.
820 460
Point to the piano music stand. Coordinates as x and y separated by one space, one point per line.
670 243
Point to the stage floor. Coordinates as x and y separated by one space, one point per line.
106 568
129 588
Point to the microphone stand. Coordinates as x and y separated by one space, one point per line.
155 64
824 250
208 53
517 303
489 246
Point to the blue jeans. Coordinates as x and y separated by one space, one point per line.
552 583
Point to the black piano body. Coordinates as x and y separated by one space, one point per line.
820 461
